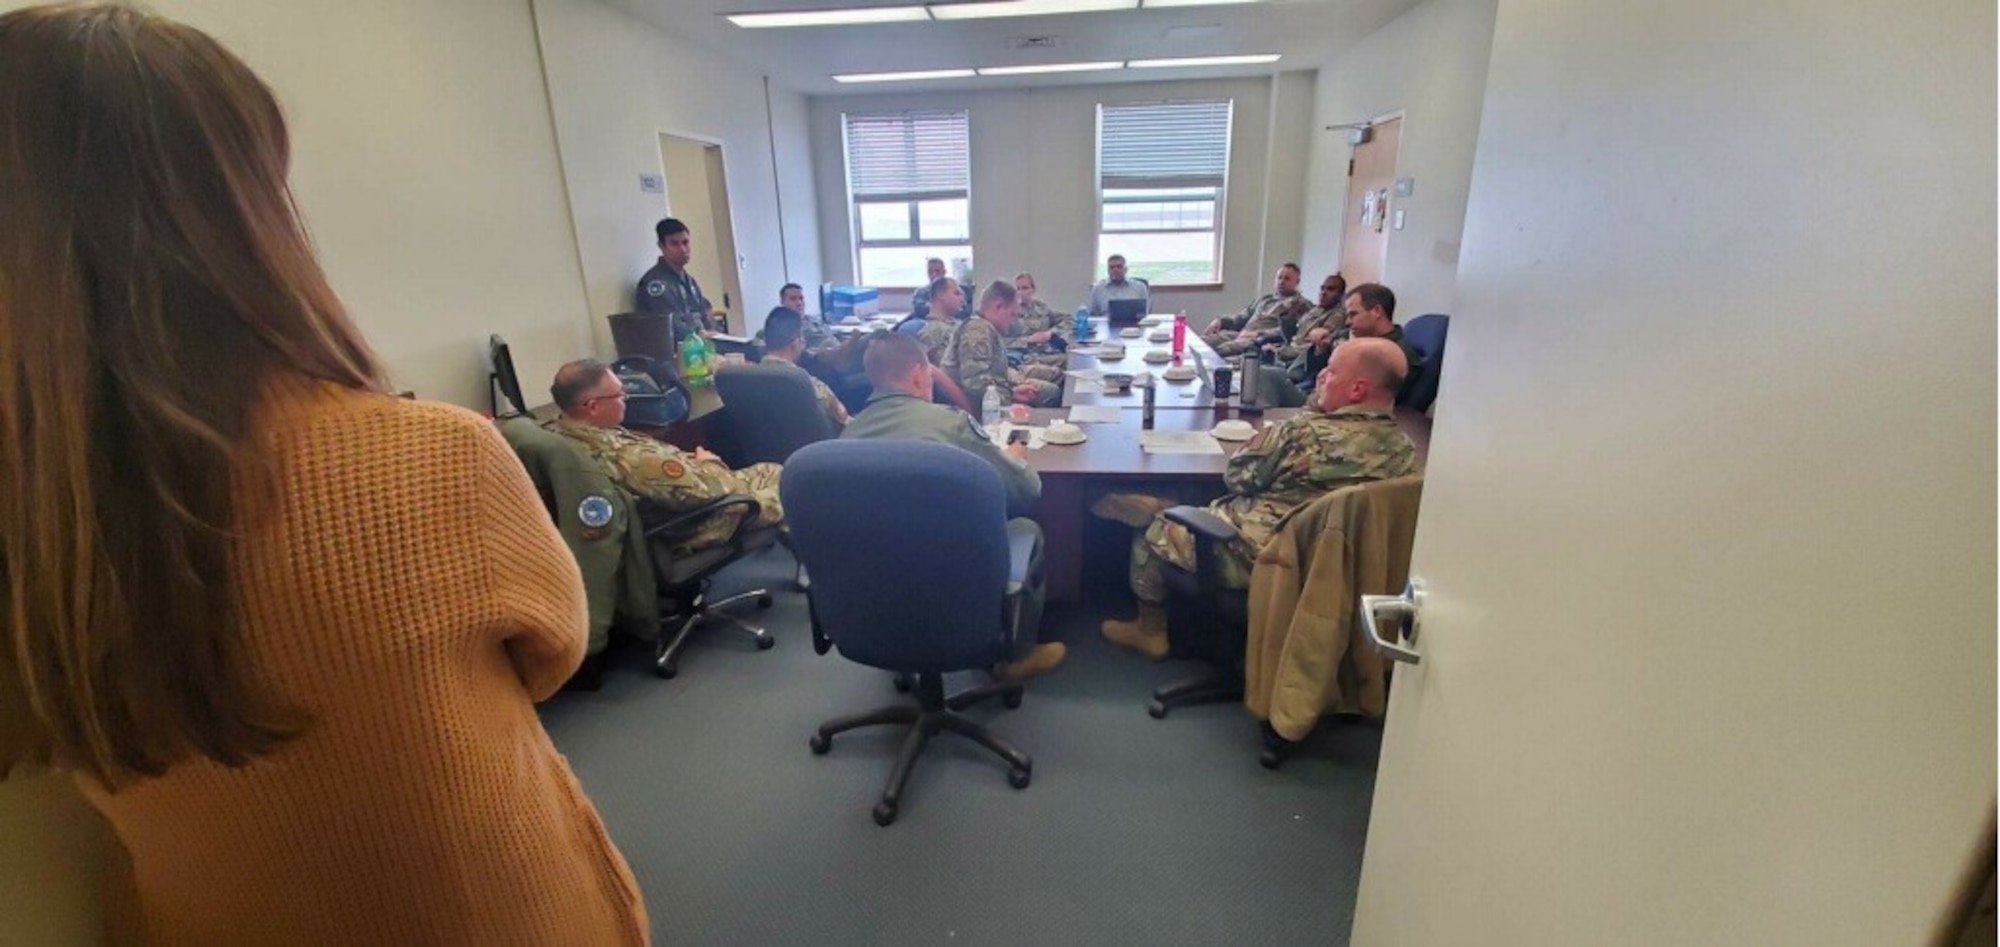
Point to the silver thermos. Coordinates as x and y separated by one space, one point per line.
1249 383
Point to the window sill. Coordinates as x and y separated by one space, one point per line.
1188 287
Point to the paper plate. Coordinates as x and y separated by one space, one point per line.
1219 435
1059 442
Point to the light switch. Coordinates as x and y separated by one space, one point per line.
1399 220
1406 186
652 184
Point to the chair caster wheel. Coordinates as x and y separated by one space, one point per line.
764 601
1156 710
1011 700
903 683
885 813
1018 778
1270 759
765 642
820 743
667 670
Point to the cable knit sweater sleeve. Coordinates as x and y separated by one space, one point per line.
531 577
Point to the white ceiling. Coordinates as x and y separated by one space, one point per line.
1307 32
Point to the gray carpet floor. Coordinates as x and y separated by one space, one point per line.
1134 831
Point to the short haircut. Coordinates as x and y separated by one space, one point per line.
1376 296
575 378
1294 267
1030 277
781 328
937 285
938 260
891 356
788 287
1340 281
667 227
997 291
1383 365
1119 257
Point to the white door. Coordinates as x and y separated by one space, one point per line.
1708 651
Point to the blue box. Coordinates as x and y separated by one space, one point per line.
844 301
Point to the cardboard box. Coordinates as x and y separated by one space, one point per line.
844 301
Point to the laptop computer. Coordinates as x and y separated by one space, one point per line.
1125 312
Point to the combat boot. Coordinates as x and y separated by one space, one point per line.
1146 634
1041 659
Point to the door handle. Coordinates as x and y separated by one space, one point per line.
1408 606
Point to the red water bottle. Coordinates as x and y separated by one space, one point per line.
1180 334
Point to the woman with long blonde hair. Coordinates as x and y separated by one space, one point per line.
285 629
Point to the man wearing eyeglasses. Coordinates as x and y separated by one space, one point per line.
592 400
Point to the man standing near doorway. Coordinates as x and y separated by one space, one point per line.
668 289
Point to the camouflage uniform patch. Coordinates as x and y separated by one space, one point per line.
1234 335
677 481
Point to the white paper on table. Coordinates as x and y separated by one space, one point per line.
1178 442
997 433
1086 386
1086 374
1095 414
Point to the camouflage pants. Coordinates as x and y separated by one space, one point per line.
760 482
1156 540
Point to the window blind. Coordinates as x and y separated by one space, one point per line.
909 153
1163 144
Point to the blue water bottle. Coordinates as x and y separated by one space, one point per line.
1082 322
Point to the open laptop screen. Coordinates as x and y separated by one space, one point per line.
1126 311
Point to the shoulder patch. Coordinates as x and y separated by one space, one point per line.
594 512
673 469
656 288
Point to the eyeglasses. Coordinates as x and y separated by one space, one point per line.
589 403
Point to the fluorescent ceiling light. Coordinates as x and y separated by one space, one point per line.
999 8
1049 67
753 21
904 76
1157 4
1203 61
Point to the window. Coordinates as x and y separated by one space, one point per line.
1161 170
908 180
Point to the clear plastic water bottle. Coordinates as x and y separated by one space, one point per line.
991 409
1082 321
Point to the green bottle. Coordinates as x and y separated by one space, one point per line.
697 359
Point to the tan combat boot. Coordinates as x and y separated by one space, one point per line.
1146 634
1041 659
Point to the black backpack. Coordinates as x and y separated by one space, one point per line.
654 395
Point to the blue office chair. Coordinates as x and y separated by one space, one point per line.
914 502
1425 334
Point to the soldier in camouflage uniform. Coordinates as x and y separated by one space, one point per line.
948 298
1297 361
1037 328
1234 335
593 405
977 357
1346 436
785 343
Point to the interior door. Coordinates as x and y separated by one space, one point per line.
1707 648
1371 177
698 194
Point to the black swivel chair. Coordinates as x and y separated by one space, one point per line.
769 411
937 586
1425 334
1205 620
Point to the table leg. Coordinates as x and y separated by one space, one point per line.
1061 515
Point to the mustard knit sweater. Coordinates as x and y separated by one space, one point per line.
412 595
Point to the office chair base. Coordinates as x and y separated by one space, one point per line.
667 654
1207 689
934 713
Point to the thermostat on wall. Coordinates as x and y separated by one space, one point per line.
652 184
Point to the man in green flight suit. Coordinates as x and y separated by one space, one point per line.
901 409
1347 435
592 401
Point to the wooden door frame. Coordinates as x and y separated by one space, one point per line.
1398 115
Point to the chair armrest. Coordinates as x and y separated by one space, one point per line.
680 522
1208 531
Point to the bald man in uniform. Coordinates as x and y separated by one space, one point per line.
1345 436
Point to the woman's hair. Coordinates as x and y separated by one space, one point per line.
155 284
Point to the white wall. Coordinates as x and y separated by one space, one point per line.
1034 155
424 161
616 83
1431 64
